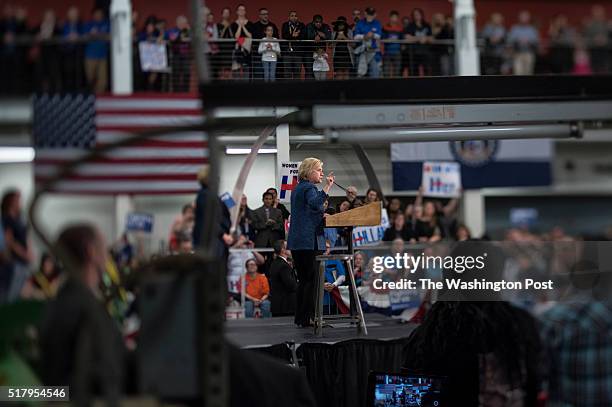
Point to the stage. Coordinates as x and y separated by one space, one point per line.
266 332
336 364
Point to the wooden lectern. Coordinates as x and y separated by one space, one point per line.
367 215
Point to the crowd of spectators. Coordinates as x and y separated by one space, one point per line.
72 54
483 331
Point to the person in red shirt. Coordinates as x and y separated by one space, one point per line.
256 292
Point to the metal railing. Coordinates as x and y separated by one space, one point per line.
28 64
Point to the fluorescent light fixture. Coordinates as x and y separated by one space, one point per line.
235 151
16 154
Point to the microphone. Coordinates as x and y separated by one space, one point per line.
340 186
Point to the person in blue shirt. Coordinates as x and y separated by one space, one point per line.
392 59
306 238
370 31
72 51
96 51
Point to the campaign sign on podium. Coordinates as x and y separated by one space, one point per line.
441 179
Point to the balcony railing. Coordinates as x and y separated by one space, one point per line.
57 65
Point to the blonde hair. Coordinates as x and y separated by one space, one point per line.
203 175
307 166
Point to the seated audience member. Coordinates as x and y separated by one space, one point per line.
576 337
351 197
359 266
44 283
283 284
268 222
399 229
372 195
81 346
184 243
181 225
488 350
257 291
331 234
394 207
236 261
277 203
335 275
427 228
447 217
462 233
344 206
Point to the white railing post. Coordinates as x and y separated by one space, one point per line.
466 47
121 47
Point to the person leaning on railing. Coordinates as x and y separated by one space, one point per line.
293 31
318 32
342 50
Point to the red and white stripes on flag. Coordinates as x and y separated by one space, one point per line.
165 164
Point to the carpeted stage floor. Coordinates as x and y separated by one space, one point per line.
250 333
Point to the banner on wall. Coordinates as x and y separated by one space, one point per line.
288 179
483 163
441 179
153 57
371 234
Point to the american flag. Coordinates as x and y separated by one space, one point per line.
67 127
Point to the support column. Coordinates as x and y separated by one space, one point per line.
473 212
121 46
282 143
467 58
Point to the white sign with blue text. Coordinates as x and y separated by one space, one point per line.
441 179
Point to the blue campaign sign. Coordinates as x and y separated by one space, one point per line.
139 222
227 199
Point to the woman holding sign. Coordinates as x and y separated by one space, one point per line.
306 233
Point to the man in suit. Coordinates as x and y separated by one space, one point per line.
268 223
283 284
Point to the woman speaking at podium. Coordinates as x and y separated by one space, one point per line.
306 233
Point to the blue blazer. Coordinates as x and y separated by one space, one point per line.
306 217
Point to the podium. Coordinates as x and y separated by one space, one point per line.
367 215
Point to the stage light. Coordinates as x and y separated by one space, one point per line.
16 154
237 151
